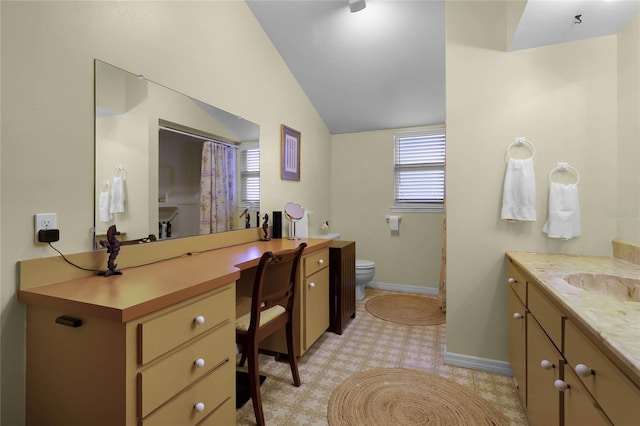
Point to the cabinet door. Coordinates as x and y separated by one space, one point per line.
517 343
543 369
579 408
316 306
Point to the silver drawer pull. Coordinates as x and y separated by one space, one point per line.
517 315
583 371
512 280
312 285
199 319
199 362
199 407
547 365
321 262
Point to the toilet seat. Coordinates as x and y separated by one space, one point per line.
364 264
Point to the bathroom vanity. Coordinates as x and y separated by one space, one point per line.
155 345
574 348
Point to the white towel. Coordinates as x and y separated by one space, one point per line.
104 206
117 195
519 197
564 211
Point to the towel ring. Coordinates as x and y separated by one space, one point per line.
521 142
119 171
564 167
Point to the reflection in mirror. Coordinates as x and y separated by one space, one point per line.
169 165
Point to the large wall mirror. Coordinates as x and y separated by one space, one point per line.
168 165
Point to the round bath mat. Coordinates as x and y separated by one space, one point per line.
401 396
406 309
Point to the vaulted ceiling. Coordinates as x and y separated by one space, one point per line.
384 67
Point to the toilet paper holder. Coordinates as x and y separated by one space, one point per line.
394 223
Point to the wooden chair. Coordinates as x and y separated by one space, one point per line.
272 302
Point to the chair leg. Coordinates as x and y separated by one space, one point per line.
243 358
254 383
293 361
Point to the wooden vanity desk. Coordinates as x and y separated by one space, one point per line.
154 346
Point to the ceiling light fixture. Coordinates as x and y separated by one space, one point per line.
357 5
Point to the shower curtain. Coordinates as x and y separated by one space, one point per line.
442 291
217 188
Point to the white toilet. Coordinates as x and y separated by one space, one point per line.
365 269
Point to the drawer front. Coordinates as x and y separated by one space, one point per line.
616 394
517 343
224 414
159 335
579 408
212 390
517 281
316 306
315 262
170 375
543 369
549 317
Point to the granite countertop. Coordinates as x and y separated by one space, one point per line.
614 321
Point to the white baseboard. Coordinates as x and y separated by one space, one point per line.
428 291
480 364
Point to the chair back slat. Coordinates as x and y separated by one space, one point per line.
275 282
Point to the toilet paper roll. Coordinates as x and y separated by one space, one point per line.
394 223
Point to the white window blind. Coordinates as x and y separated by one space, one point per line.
250 177
419 170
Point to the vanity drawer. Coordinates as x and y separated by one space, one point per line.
314 262
616 394
516 279
167 377
212 391
549 317
161 334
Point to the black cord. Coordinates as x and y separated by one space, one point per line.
130 267
71 263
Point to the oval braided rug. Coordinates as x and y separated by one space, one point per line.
406 309
401 396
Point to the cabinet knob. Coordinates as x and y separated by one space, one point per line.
199 319
199 362
561 385
199 407
518 315
321 262
583 371
546 364
312 285
512 281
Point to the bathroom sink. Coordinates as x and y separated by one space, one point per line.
622 288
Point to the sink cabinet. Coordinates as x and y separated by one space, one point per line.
568 379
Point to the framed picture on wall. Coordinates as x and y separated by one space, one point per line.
289 153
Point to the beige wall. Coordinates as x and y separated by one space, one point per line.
361 196
628 211
213 51
563 99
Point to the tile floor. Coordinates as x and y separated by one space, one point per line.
368 342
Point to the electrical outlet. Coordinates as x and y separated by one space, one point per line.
45 221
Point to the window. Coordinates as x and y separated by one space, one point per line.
419 170
249 176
